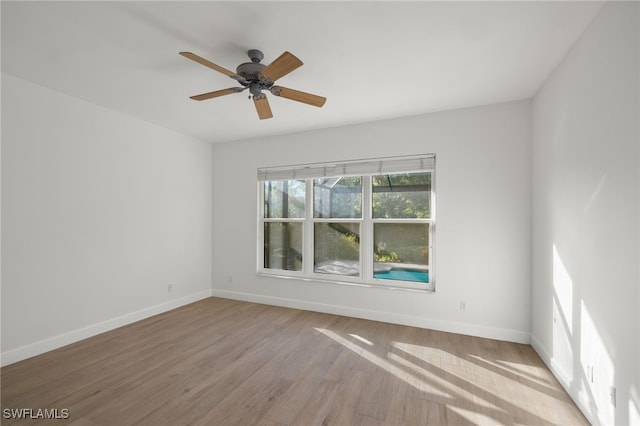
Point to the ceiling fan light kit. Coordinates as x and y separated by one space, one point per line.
257 78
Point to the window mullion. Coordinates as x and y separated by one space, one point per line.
308 242
261 250
366 231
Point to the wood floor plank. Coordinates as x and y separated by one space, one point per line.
225 362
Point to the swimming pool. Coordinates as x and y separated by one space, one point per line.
403 275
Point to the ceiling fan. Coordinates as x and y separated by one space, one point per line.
258 77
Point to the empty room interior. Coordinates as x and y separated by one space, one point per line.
279 213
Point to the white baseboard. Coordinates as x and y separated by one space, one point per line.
389 317
55 342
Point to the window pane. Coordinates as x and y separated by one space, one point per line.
406 195
337 248
283 246
401 251
337 197
284 198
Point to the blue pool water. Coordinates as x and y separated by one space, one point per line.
403 275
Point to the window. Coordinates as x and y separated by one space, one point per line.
337 216
401 209
284 210
364 222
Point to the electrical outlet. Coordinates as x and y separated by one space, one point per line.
463 306
170 287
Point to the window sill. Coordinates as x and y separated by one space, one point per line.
369 284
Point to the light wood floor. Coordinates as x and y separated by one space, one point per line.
224 362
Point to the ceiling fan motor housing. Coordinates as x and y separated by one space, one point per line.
249 70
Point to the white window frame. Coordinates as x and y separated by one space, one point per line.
311 171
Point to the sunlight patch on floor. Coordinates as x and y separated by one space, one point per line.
362 339
466 398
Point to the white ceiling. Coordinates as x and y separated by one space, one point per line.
372 60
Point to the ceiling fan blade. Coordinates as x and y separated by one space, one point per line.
216 93
211 65
262 106
282 66
296 95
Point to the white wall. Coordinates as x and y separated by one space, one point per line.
100 211
585 289
483 219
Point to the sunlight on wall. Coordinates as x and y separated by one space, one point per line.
634 407
563 286
595 193
593 352
562 356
